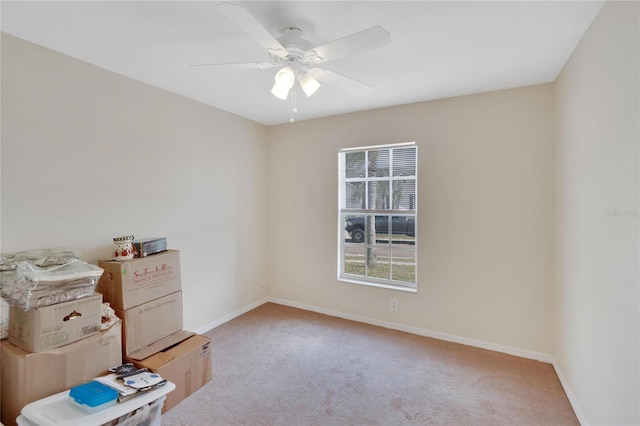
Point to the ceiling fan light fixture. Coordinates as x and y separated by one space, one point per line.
286 77
309 84
280 92
284 82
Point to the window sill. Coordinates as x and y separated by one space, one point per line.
379 285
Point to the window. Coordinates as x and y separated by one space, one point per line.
377 217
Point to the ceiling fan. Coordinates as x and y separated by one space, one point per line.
298 59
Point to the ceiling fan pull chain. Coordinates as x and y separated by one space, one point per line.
294 106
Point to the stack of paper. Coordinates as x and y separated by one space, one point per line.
129 386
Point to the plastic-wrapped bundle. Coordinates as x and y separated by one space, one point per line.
39 257
33 287
44 258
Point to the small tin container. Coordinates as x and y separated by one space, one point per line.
124 247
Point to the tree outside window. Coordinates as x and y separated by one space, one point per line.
378 214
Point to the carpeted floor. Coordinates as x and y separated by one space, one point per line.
278 365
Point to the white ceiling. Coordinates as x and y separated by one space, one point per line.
438 49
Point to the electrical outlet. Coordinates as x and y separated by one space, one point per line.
393 304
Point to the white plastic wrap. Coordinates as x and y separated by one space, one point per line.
33 287
4 319
109 316
43 258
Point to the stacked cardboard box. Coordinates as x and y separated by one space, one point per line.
146 294
186 364
52 326
29 376
46 351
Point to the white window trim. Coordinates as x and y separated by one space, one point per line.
372 281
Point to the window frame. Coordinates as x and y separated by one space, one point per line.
343 213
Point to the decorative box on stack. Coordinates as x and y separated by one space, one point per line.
56 339
146 293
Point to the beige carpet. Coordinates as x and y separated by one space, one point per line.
278 365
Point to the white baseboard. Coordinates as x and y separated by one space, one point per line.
229 317
572 399
538 356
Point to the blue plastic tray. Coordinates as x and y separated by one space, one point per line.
93 394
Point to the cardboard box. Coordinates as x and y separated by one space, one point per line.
152 321
160 345
126 284
28 377
49 327
188 365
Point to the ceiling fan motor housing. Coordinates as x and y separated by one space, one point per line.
298 49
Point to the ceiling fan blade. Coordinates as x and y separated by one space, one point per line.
239 66
363 40
340 81
242 18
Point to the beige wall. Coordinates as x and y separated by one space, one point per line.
511 225
88 155
485 215
597 298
